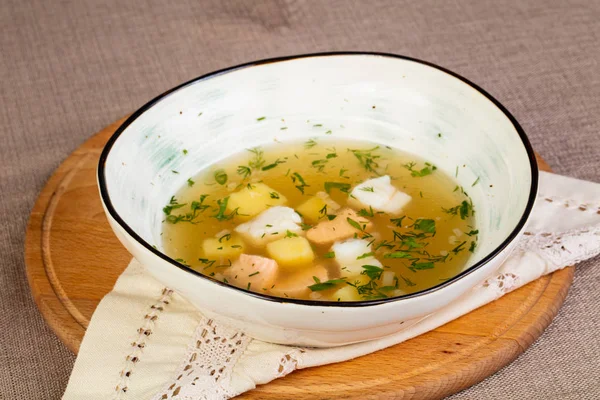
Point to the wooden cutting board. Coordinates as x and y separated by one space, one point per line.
73 259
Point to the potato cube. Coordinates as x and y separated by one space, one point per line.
327 232
292 252
226 247
346 293
311 209
254 199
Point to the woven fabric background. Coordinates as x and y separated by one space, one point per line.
69 68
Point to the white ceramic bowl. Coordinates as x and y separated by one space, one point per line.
383 98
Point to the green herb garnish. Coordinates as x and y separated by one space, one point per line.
418 266
305 227
290 234
458 248
319 286
366 255
271 166
221 176
463 209
226 236
257 160
173 204
472 247
196 207
354 224
397 221
319 164
425 225
427 170
207 262
302 184
367 158
309 144
398 254
364 213
221 214
407 281
343 187
323 211
384 243
244 171
372 271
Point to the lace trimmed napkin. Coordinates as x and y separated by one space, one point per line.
146 342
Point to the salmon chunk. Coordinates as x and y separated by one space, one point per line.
296 285
339 228
259 272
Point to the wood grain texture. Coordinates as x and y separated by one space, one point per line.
73 260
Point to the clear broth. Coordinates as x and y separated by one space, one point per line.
435 256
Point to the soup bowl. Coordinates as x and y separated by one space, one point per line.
388 99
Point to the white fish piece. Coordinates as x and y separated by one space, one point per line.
347 255
380 194
270 225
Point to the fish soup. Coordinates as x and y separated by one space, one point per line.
326 219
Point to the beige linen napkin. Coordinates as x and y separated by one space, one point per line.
146 342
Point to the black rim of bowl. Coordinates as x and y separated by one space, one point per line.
532 194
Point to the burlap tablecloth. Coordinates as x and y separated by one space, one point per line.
69 68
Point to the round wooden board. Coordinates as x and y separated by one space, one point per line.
73 259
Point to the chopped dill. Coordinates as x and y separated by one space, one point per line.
367 158
309 144
296 177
